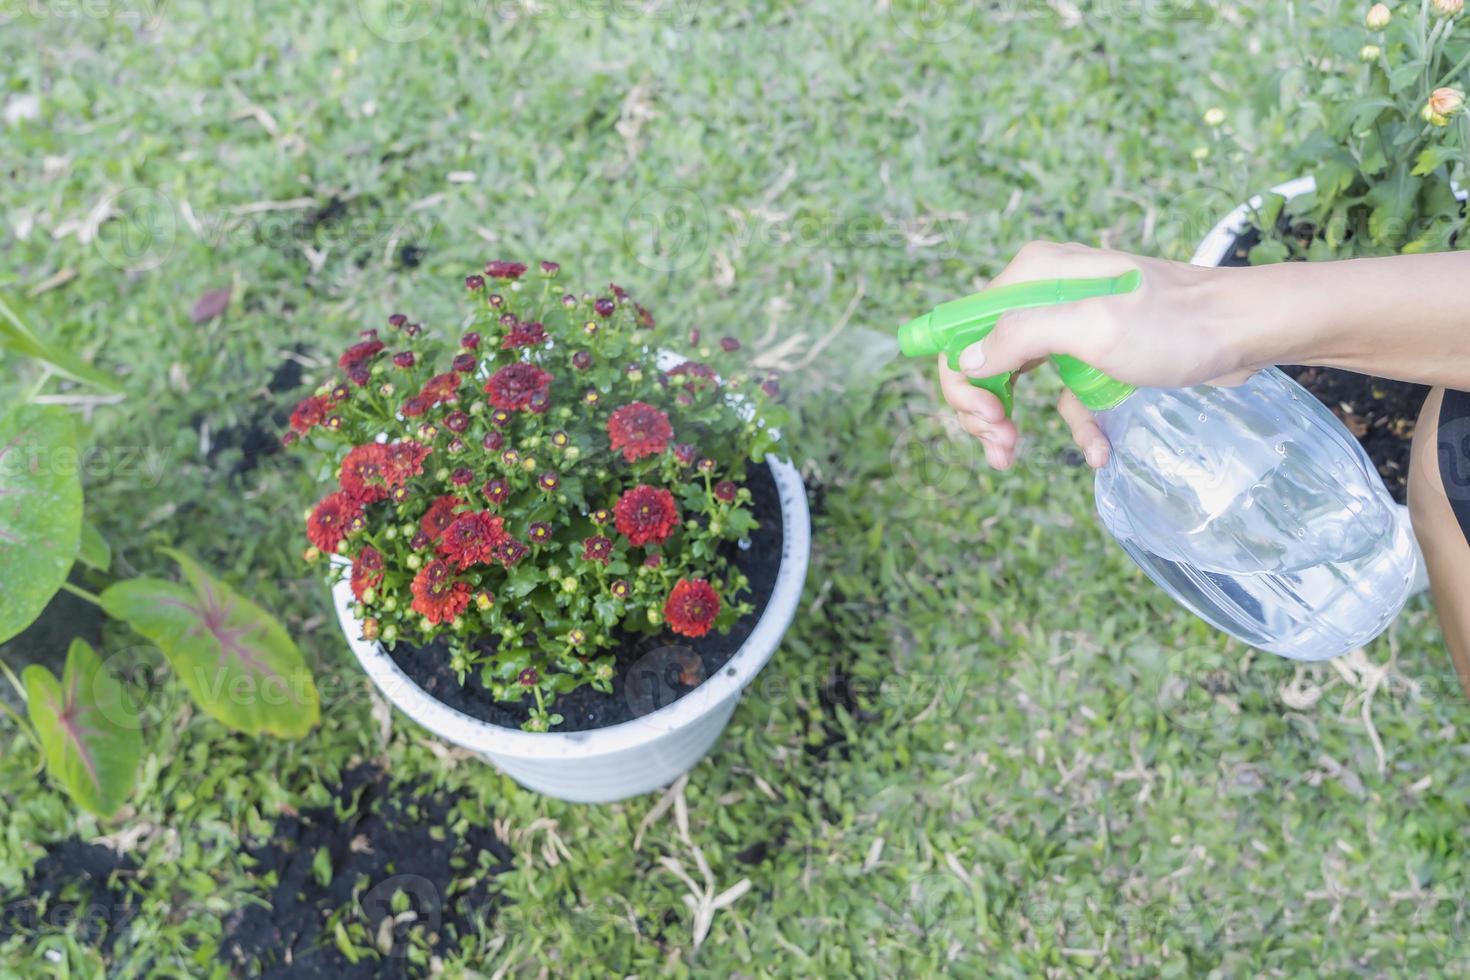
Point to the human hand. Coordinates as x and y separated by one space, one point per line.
1177 329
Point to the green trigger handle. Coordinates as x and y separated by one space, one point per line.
951 327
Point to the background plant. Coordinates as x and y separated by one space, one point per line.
538 488
238 663
1382 106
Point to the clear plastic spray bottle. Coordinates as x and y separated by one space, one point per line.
1251 505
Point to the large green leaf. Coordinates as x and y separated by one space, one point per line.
40 511
15 334
239 664
88 729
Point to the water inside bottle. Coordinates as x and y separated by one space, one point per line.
1254 508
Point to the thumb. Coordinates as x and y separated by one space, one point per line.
1022 337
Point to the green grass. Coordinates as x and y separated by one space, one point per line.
987 745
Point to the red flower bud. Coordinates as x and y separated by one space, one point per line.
604 306
474 283
464 363
581 360
462 476
397 320
456 421
729 344
493 441
470 340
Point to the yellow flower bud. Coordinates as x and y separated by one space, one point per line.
1200 152
311 554
1447 8
528 464
1214 116
1443 103
1370 52
1378 17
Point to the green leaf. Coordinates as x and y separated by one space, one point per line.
1270 210
1268 252
1432 157
88 729
238 663
95 551
40 510
1334 176
23 340
1393 208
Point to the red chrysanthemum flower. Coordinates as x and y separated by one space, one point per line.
497 491
440 515
309 412
639 429
365 473
597 548
512 387
330 520
696 376
402 461
646 514
441 388
437 595
414 406
359 354
367 571
692 607
472 539
530 334
510 551
500 269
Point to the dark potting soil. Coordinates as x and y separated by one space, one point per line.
75 882
1379 412
650 671
259 436
379 840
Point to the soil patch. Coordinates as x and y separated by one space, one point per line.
74 882
380 868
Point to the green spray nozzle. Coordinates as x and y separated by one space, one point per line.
953 326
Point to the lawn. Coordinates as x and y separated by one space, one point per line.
988 746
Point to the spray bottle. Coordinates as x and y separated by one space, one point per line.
1251 505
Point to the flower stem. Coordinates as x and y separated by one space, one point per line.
82 593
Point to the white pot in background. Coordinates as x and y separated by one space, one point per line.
633 757
1216 246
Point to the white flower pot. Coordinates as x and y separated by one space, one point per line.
613 763
1216 246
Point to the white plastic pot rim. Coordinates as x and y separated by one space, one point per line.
1221 239
726 684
